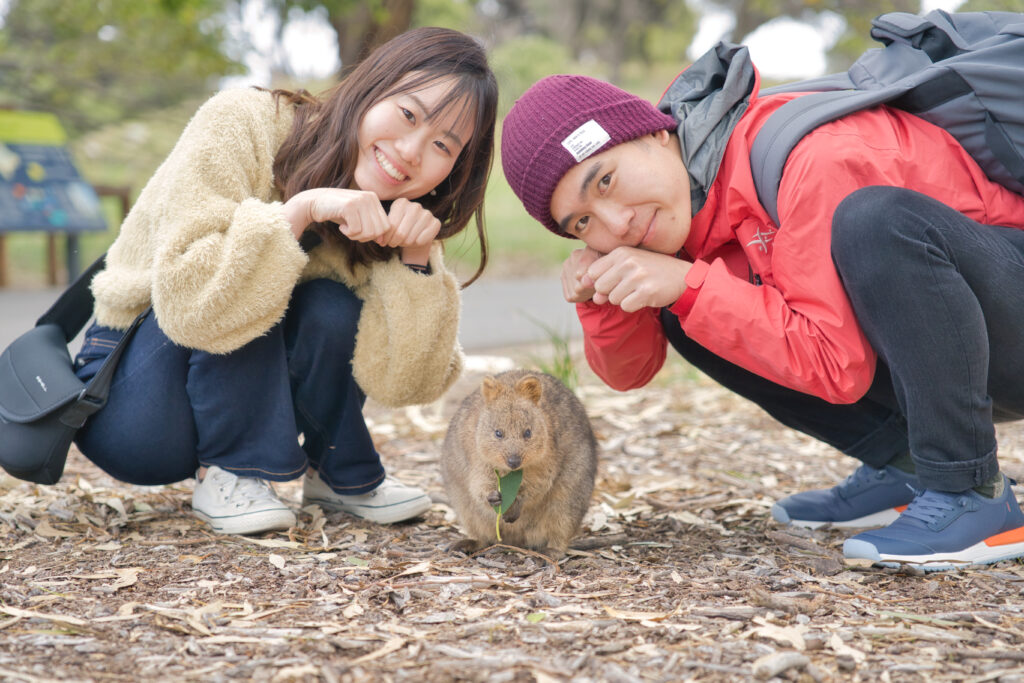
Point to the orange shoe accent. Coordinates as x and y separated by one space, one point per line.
1007 537
900 508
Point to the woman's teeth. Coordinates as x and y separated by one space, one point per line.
388 167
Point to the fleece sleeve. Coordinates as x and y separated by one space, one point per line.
407 349
224 261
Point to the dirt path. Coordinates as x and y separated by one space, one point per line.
679 574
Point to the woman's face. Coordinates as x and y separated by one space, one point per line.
405 150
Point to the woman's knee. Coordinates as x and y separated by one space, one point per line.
323 309
129 456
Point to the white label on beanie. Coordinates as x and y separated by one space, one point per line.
586 140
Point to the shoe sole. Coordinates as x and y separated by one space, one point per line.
380 514
875 519
251 522
1006 546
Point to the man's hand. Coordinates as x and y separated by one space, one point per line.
577 286
633 278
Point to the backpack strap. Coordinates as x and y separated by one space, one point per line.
789 124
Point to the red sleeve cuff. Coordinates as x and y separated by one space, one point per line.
694 279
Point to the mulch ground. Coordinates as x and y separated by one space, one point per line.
677 574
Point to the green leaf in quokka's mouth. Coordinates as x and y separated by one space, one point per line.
509 488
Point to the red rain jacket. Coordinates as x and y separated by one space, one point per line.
768 297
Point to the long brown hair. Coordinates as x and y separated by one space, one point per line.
322 148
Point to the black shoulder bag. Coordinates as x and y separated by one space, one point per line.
42 402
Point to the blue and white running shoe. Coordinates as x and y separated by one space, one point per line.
866 498
940 531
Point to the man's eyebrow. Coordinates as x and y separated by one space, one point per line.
429 114
592 172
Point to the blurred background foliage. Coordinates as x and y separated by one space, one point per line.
125 76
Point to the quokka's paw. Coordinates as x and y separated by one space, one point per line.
467 546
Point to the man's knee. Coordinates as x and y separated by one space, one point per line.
866 229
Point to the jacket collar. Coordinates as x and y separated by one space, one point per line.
707 99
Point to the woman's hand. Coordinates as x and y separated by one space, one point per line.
413 229
410 225
577 286
359 214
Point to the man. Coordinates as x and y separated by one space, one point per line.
882 314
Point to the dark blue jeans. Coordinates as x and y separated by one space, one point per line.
172 409
941 299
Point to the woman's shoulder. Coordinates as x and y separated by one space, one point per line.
243 109
240 102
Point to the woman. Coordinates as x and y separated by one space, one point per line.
289 248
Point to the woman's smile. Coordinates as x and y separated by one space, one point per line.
389 169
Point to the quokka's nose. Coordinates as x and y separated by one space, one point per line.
514 461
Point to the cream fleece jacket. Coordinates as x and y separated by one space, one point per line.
208 246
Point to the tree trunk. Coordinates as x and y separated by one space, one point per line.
360 29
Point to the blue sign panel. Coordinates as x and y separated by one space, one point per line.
40 188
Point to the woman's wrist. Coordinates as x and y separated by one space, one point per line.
416 256
296 211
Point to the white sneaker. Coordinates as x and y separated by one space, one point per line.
239 505
390 502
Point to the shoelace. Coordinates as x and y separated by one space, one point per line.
861 477
250 489
931 506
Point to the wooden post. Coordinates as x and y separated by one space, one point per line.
51 258
3 259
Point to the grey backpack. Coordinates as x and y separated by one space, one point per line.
962 71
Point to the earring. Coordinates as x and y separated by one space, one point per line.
433 193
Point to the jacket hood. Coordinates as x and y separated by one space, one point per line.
708 99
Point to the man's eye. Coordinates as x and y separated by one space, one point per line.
604 182
581 224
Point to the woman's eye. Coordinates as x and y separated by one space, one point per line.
499 434
443 147
409 116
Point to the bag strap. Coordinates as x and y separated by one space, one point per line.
94 395
73 308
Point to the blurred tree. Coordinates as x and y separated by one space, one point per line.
992 5
609 31
857 14
93 62
361 25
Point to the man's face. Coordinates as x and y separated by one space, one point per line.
636 194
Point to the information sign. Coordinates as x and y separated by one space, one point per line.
40 188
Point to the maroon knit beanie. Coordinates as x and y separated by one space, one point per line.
560 121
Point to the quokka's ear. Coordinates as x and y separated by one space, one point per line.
529 387
491 388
